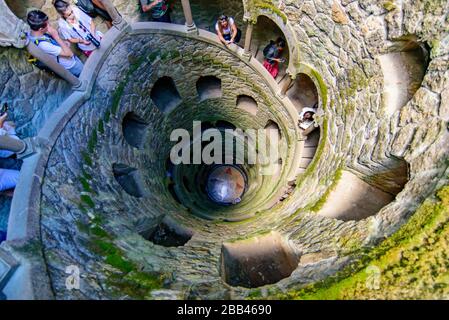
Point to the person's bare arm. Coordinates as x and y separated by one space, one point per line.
148 7
234 32
66 52
3 119
77 40
220 37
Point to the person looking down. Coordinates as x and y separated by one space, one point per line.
227 30
46 38
272 54
77 27
95 8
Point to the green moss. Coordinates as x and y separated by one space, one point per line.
389 5
92 142
87 200
322 86
85 184
250 236
118 262
82 208
152 56
86 175
82 227
118 93
411 253
100 126
99 232
107 116
320 203
137 285
269 6
86 158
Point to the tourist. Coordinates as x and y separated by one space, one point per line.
95 8
77 27
159 10
7 128
272 53
47 39
227 30
9 175
306 117
9 166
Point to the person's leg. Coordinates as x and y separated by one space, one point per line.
8 179
10 163
227 37
105 15
77 68
275 70
2 237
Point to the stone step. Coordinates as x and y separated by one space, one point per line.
304 162
309 152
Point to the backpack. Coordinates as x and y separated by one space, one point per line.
37 63
87 6
267 49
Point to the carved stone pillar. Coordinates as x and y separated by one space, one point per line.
51 63
191 27
286 85
117 19
248 37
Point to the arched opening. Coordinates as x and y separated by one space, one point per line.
267 30
247 104
303 92
129 179
167 234
208 87
272 125
403 70
134 130
258 261
357 197
222 124
165 95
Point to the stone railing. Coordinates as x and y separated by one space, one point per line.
23 273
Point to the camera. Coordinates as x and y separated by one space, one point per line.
93 40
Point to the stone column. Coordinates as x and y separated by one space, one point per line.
191 27
117 19
52 64
248 37
11 144
286 85
12 29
